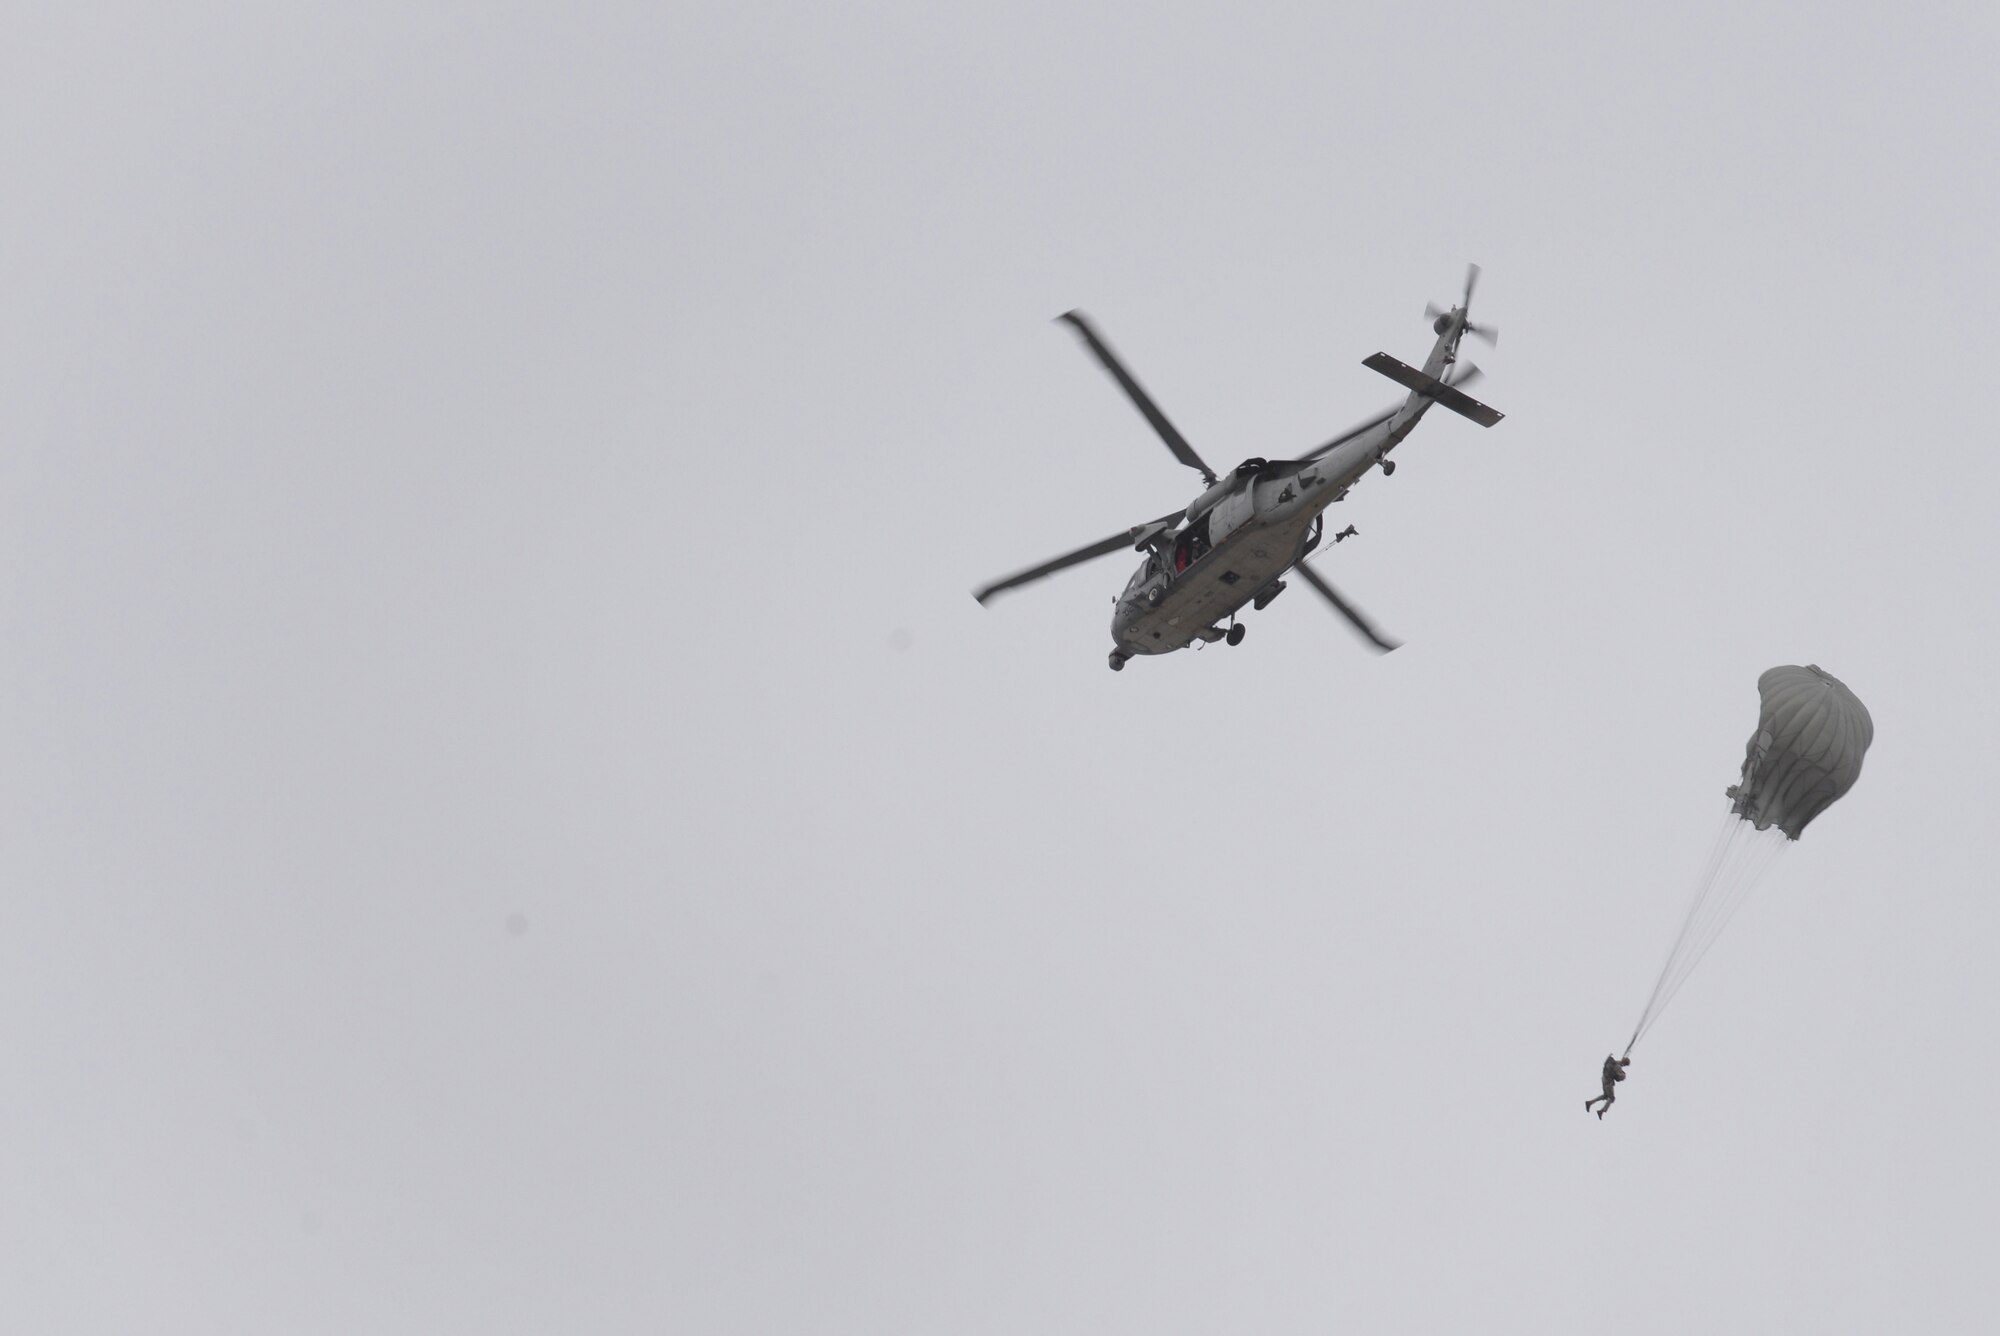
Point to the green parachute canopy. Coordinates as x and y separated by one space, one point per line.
1811 735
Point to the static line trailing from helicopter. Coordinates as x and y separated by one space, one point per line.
1233 544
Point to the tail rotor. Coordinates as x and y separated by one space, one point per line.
1439 317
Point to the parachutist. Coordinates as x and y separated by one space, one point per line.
1614 1072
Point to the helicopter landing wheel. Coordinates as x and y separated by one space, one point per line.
1117 662
1237 632
1388 467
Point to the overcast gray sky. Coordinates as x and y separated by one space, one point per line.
513 822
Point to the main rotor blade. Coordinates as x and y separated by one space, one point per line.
1168 433
1467 377
1351 433
1344 608
1103 548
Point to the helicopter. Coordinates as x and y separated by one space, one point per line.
1233 544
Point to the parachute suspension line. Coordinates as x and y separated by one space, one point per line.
1748 860
1726 833
1741 880
1741 857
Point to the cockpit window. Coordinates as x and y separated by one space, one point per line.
1149 571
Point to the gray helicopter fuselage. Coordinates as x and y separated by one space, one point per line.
1241 536
1238 539
1235 543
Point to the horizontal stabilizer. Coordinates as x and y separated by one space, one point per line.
1431 388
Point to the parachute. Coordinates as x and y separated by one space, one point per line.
1811 735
